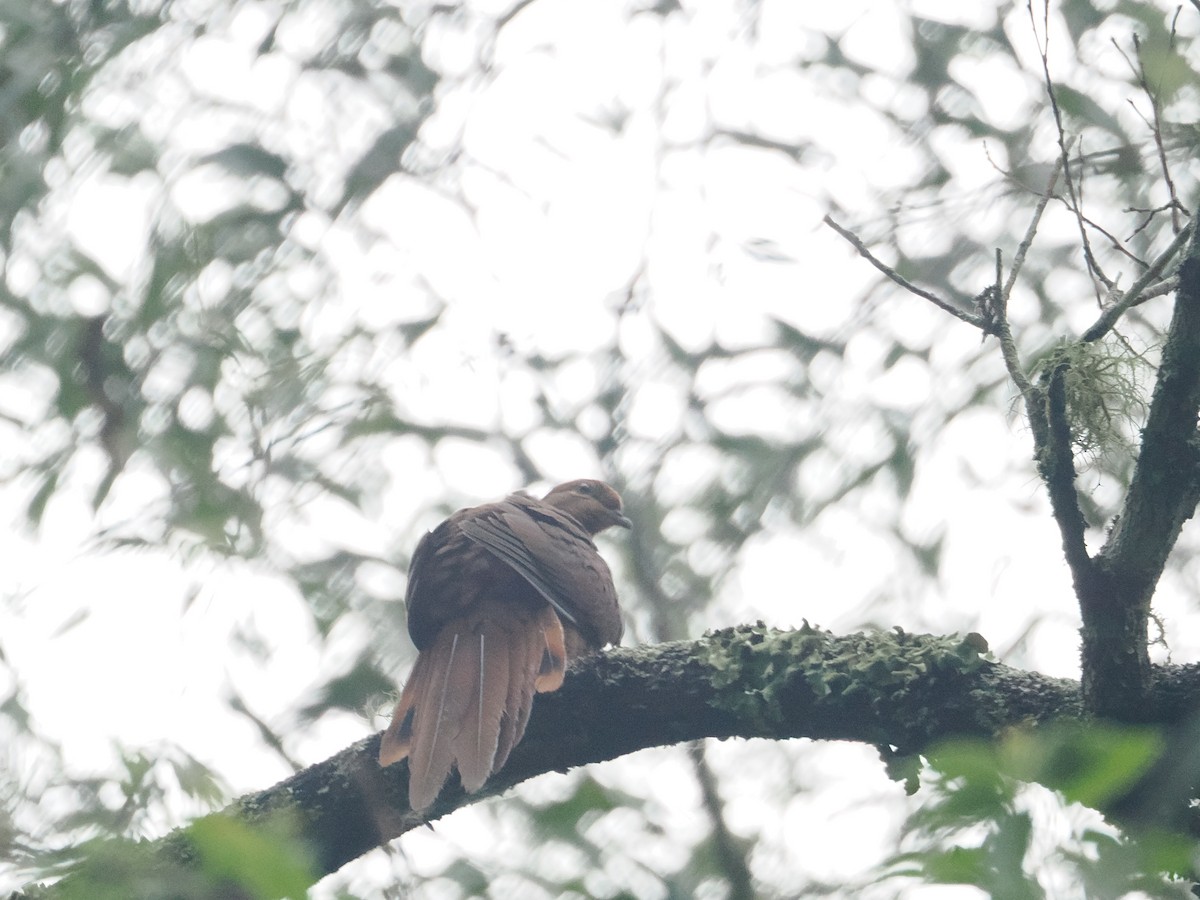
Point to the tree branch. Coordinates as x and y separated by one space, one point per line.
901 280
1162 495
1030 232
1046 411
1000 324
1056 463
1164 490
1134 295
887 688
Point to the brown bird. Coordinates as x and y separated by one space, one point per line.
500 598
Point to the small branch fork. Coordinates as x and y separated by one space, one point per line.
1146 286
1115 585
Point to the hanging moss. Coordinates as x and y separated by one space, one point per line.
1104 383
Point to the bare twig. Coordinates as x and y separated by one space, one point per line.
1073 192
1095 226
1031 232
1166 286
1008 346
1116 243
1145 223
1136 290
1150 213
901 280
1154 124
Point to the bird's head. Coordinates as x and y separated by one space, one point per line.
593 504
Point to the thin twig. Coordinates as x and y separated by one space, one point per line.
1064 153
1154 124
1116 243
1150 213
1012 362
1031 232
1008 346
901 280
1134 295
1166 286
1002 330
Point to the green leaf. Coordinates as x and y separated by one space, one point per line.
266 861
1090 764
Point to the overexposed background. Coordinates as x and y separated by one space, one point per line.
294 280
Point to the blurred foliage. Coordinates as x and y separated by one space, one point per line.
220 858
976 826
231 355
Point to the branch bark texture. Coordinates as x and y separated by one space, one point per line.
1163 493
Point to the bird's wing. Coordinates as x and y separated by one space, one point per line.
557 557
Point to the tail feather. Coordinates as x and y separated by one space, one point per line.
469 697
524 663
475 744
396 743
538 666
438 718
397 738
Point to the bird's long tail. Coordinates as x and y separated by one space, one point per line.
470 694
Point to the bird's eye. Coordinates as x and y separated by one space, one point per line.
585 488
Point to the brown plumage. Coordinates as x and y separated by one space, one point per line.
500 598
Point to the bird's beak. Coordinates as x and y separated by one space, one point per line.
622 521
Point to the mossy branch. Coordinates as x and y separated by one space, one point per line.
888 689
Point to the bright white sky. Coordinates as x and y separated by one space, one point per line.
541 264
